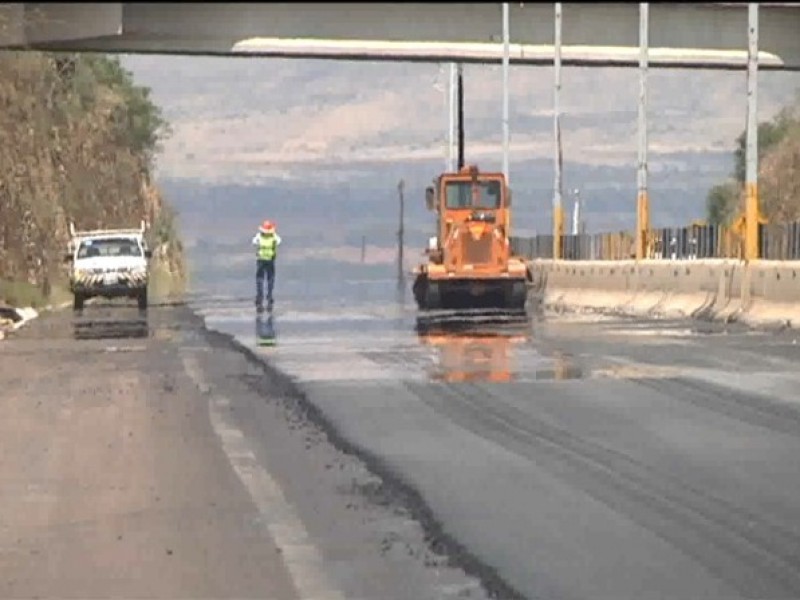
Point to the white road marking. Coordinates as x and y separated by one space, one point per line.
300 555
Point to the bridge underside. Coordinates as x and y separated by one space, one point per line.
689 35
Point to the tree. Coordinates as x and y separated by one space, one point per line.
779 179
770 134
722 202
139 123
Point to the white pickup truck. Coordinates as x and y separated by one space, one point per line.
109 263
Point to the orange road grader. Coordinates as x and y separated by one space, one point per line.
470 265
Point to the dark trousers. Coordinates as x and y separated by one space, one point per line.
264 268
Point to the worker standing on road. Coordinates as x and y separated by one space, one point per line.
266 242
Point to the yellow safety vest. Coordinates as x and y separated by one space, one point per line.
267 246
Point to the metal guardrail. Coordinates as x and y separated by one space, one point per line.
776 242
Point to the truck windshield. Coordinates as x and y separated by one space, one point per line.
459 194
109 247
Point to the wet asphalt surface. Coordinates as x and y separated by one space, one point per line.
569 456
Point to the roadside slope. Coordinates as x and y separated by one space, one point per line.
77 143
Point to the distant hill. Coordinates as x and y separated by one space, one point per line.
337 215
323 143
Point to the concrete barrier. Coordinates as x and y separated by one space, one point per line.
759 293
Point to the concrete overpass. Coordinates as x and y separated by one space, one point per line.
688 35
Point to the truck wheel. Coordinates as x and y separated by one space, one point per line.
77 301
141 299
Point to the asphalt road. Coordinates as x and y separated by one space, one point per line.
574 456
142 456
564 457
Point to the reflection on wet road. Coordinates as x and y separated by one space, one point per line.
265 330
110 322
115 320
486 348
477 351
473 356
393 343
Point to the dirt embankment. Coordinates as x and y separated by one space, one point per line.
77 143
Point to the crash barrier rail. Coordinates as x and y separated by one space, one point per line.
775 242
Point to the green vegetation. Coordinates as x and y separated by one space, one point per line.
778 175
78 139
770 134
723 202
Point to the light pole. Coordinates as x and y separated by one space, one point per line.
558 211
448 110
506 134
400 233
751 151
451 124
642 200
